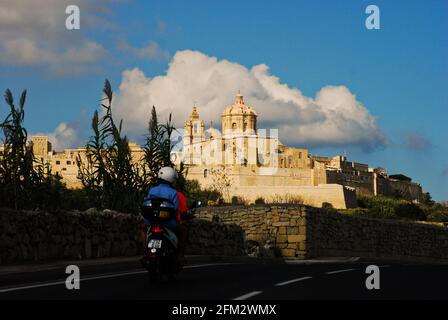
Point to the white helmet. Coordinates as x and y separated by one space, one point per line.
167 174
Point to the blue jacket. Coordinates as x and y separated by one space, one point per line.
167 192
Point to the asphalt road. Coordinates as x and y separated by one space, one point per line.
234 279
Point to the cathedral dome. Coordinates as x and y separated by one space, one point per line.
239 108
239 118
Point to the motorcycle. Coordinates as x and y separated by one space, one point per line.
162 246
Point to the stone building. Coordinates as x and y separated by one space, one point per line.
255 164
245 161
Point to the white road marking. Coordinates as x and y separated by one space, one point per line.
210 265
104 276
32 286
248 295
292 281
339 271
354 259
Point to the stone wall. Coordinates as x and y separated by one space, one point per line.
285 226
299 231
37 236
332 234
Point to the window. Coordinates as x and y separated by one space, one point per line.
205 173
69 162
64 169
234 125
58 162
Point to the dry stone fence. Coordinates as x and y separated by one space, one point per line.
37 236
298 231
289 231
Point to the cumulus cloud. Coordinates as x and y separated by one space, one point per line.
65 136
69 134
333 117
33 33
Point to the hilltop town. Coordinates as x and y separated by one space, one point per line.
256 164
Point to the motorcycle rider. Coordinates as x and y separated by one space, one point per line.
164 189
167 177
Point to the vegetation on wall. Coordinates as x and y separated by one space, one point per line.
392 208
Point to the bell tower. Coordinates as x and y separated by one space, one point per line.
194 135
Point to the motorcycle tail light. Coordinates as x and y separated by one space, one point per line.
156 229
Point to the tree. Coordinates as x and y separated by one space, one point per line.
427 199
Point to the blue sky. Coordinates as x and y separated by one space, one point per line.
399 73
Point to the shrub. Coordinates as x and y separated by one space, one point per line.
390 208
437 213
236 201
193 191
327 205
410 211
286 199
259 200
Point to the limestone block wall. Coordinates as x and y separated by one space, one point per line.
285 226
38 236
301 232
332 234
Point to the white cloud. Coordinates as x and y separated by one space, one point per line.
333 117
33 33
66 135
150 51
